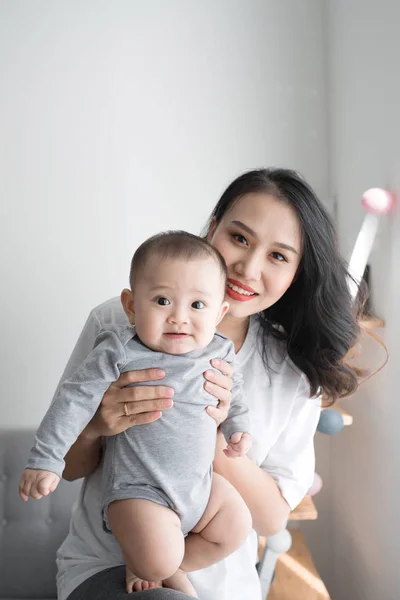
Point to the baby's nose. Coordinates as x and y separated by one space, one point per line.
178 317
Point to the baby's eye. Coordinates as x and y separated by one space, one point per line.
163 301
279 257
198 304
239 238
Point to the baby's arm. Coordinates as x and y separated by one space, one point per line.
236 426
73 406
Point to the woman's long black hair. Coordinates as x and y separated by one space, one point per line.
315 317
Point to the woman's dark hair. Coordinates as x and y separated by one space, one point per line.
315 317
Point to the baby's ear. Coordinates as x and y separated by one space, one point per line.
128 305
224 309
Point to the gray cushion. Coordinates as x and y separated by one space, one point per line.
30 532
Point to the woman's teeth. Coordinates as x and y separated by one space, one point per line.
239 290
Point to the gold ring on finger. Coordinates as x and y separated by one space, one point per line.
126 411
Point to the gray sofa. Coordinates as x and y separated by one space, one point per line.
30 532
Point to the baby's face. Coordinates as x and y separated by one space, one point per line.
178 304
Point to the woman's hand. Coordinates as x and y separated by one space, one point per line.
219 385
120 408
123 407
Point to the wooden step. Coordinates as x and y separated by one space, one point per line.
347 417
296 577
305 511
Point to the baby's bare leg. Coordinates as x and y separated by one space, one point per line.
223 528
150 537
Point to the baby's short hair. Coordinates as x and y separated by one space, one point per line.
176 245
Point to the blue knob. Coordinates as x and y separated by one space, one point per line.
330 422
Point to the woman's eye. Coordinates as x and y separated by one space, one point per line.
163 301
198 304
278 256
239 238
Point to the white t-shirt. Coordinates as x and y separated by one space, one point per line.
283 423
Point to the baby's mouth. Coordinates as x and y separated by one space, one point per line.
177 334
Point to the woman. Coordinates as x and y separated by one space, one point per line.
292 323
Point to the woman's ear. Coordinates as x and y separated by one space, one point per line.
224 309
128 305
211 230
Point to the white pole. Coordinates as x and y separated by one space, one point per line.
362 249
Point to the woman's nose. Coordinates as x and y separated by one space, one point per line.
250 267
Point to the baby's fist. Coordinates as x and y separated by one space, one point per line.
37 483
238 445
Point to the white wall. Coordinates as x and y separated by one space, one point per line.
365 128
120 119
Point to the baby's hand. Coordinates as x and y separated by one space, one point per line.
238 445
36 483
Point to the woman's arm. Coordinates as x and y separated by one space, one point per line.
83 456
268 508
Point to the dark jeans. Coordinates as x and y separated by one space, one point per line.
110 585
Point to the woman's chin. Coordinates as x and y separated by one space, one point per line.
238 311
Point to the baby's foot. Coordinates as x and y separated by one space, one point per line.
180 582
135 584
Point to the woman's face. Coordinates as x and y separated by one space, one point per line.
260 240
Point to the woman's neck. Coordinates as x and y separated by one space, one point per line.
235 329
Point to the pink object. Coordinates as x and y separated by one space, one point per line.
316 485
377 201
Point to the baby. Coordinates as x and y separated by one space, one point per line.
161 500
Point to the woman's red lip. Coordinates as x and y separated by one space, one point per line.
244 287
239 297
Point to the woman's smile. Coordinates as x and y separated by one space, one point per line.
239 291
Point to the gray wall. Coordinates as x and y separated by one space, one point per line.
364 480
120 119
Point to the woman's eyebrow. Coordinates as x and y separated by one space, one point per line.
285 247
245 227
251 232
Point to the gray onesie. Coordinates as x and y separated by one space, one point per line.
168 461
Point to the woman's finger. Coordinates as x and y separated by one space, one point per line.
223 381
145 392
138 377
143 418
219 415
146 406
224 396
222 366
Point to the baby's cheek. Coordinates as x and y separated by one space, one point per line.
205 337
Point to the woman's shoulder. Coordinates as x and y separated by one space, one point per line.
109 313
